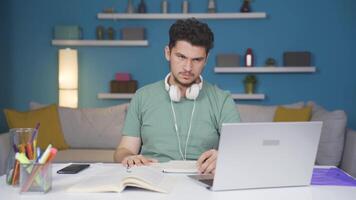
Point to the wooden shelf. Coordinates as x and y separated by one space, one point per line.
248 96
150 16
108 43
130 95
264 69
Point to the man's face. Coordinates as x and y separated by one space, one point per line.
186 62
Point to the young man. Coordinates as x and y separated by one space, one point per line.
178 118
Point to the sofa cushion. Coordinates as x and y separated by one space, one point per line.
261 113
332 134
292 114
50 131
85 156
91 127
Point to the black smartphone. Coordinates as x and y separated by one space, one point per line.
73 168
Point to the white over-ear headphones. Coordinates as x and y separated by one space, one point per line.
191 93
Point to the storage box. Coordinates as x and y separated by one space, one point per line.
68 33
297 58
228 60
122 76
123 86
133 33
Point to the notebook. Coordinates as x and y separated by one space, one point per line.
264 155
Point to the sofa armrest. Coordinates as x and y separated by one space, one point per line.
4 151
348 163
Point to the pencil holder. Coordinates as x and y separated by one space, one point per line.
19 138
35 177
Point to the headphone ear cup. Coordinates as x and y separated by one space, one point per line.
192 92
174 93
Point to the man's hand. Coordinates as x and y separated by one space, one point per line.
207 162
137 160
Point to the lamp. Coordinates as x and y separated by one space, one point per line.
68 78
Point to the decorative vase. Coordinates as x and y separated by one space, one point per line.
111 33
142 7
211 6
130 8
249 88
164 6
99 32
245 6
185 6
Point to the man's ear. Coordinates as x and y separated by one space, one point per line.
206 59
167 53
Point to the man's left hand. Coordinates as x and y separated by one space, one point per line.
207 162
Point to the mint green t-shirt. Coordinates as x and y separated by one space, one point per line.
150 117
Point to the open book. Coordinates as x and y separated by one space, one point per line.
116 180
177 166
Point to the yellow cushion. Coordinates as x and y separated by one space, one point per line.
50 131
292 114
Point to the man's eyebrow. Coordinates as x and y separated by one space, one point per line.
196 58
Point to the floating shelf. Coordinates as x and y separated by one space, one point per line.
264 69
252 15
248 96
130 95
108 43
115 95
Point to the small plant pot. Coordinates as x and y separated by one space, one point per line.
250 88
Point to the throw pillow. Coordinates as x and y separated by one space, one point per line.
261 113
292 114
50 131
91 127
332 134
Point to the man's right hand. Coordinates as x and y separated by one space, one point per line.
138 160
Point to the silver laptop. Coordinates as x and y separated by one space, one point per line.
264 155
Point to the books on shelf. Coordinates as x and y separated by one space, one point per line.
116 180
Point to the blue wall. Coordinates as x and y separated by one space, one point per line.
327 28
4 61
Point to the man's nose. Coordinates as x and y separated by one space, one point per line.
188 65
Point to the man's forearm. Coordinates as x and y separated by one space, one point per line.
121 153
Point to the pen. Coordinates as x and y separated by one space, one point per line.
34 133
45 154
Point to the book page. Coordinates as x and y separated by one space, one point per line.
104 181
177 166
150 178
115 180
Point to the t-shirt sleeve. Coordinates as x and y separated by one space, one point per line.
132 125
229 113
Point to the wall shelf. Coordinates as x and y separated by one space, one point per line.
130 95
150 16
264 69
115 95
248 96
108 43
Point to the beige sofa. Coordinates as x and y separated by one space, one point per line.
93 134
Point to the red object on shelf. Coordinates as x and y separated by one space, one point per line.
249 58
122 76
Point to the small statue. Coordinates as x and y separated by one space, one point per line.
185 6
164 6
245 6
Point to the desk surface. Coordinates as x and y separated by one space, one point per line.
185 189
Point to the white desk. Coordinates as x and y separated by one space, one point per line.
185 189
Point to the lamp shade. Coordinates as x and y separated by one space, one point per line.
68 78
68 69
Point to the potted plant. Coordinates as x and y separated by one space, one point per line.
250 82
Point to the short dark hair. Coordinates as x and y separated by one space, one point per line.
193 31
